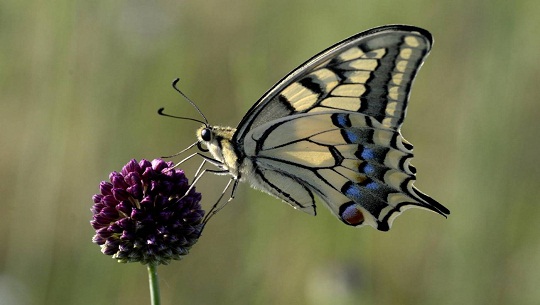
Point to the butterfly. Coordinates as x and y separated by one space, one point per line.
331 129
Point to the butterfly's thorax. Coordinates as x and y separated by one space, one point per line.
221 147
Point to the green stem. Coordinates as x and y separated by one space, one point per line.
154 284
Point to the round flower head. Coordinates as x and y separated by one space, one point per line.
144 214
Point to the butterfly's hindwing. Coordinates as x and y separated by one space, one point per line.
342 157
284 186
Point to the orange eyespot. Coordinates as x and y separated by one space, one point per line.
352 215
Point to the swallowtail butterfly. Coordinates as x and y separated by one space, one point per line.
331 129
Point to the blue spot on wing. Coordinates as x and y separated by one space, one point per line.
369 169
352 137
357 135
367 154
372 186
342 120
353 191
368 200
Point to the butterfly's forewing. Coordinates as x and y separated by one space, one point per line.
332 127
379 65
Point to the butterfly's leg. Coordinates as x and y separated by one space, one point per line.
199 169
199 175
185 159
215 207
214 162
233 190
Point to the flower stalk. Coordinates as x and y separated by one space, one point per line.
153 281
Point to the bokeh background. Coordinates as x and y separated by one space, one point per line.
80 85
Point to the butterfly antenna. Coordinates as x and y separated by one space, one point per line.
160 112
174 83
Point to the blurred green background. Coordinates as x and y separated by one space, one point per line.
80 85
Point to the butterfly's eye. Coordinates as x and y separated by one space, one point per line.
206 134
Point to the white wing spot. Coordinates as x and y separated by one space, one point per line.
350 54
394 178
382 137
326 79
388 122
359 77
397 78
345 103
393 93
391 108
361 64
299 96
351 90
401 65
405 53
412 41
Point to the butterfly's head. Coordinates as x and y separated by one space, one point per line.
214 135
205 134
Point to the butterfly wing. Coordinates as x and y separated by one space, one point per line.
332 127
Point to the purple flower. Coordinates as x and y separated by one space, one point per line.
144 214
